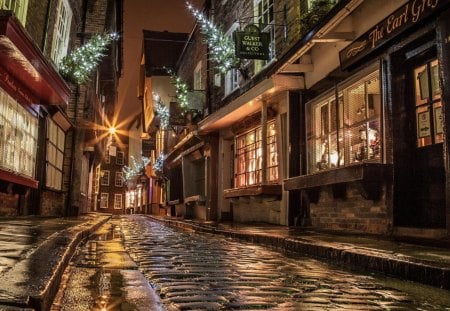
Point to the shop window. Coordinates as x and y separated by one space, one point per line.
264 18
198 77
61 31
428 105
19 8
104 178
344 129
18 137
55 155
119 179
104 200
248 157
232 77
117 201
120 158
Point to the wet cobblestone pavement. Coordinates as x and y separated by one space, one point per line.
191 271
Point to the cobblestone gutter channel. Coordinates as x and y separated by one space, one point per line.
350 256
33 282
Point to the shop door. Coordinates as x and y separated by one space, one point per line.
420 174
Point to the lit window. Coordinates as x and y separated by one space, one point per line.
248 164
19 7
198 77
428 105
61 31
232 77
55 155
120 158
345 130
105 178
104 200
264 18
18 137
117 201
119 179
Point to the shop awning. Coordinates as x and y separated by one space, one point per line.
22 61
249 102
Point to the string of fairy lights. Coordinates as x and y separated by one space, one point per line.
136 168
81 62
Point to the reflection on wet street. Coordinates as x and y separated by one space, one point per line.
191 271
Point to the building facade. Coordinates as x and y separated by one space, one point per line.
40 110
342 127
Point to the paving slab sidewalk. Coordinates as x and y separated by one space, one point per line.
420 263
34 252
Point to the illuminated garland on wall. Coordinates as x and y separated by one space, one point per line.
78 65
181 89
221 46
136 168
162 111
159 163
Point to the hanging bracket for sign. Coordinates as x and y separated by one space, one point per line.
252 43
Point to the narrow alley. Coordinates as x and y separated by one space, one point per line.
135 263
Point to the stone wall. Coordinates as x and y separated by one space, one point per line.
268 209
52 203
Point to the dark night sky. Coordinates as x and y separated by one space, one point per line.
159 15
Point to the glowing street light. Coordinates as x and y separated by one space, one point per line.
112 130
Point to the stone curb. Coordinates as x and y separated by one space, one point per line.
354 257
44 299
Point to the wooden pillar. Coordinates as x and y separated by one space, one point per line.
443 48
264 142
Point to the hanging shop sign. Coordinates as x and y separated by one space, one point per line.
403 18
252 43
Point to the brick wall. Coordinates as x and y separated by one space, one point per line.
9 204
350 212
52 203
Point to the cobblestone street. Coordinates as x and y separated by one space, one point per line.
190 271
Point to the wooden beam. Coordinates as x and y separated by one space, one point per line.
293 68
335 37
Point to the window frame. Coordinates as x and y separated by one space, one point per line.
104 195
118 179
120 160
248 157
20 10
352 129
55 145
265 26
116 196
61 32
104 175
232 77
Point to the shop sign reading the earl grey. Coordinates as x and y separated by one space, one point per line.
406 16
252 43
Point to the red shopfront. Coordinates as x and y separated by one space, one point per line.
29 84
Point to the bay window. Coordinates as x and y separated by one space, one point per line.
18 136
345 127
248 157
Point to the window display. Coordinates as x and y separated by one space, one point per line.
248 164
346 129
18 136
428 105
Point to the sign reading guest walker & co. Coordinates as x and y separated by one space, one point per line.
406 16
252 43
